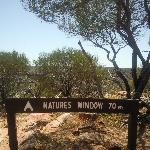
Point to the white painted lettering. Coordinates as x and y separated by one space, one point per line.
112 105
56 105
50 106
79 105
45 105
65 105
100 105
86 105
90 105
61 105
69 105
28 106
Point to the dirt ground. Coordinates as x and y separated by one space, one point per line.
68 132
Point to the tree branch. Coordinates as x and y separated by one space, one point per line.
125 26
148 57
94 70
147 11
134 69
115 80
117 69
134 46
100 46
127 19
121 76
142 80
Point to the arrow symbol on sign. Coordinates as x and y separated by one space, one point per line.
28 106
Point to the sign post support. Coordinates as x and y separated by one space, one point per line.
132 131
12 130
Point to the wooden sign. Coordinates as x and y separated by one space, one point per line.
47 105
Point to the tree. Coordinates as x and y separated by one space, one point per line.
62 71
13 69
109 25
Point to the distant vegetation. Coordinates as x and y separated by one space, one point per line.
65 72
68 72
13 70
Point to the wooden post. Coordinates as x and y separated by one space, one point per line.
12 130
132 131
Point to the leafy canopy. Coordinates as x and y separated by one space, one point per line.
13 66
12 63
91 19
67 71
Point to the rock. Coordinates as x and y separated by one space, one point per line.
36 125
25 136
35 141
34 136
54 125
93 137
28 147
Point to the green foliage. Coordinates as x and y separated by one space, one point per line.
67 71
13 63
79 17
96 20
13 67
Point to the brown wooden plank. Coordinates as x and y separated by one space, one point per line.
47 105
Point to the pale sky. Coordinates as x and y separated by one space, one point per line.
24 32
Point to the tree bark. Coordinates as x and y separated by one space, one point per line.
94 71
134 69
